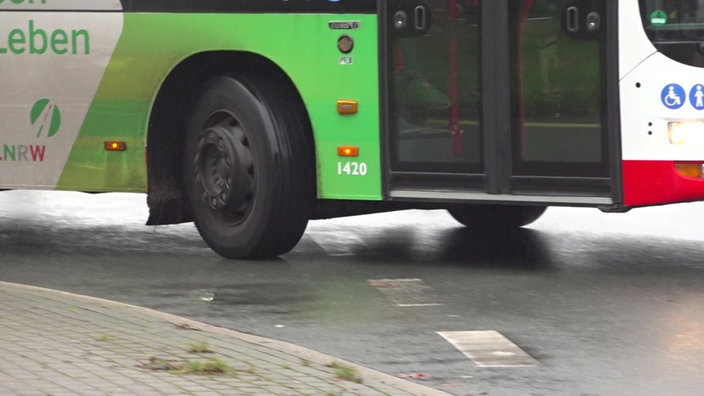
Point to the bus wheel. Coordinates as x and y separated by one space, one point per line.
246 173
496 217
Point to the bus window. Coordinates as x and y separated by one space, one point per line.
557 93
434 86
676 28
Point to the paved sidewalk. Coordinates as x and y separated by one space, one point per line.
56 343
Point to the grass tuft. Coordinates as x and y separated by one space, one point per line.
198 347
346 372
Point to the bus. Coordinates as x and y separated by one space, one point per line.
252 117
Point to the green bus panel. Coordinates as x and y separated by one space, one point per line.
304 46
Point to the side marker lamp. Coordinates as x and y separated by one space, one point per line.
347 107
686 132
115 145
689 169
348 151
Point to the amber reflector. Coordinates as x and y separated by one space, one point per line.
689 169
345 106
115 145
348 151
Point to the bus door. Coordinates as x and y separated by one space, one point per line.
498 100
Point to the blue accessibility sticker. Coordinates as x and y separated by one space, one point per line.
673 96
696 96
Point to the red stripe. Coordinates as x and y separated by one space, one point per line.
657 182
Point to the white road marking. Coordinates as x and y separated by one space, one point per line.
488 348
407 292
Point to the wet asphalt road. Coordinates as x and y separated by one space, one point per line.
607 304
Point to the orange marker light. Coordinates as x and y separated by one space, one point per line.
348 151
115 145
689 169
347 107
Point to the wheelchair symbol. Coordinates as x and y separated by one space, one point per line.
673 96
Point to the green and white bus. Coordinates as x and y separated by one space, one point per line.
251 117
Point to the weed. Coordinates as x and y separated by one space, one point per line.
306 362
345 372
211 366
199 347
104 338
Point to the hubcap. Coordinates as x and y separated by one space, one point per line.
224 169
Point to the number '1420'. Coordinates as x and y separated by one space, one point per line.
352 168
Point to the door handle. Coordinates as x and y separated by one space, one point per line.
572 19
421 17
411 18
583 20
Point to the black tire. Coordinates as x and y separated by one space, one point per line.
496 217
248 171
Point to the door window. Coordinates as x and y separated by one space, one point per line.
557 88
434 79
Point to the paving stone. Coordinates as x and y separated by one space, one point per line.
58 343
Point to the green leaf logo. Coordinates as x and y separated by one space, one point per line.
45 116
658 18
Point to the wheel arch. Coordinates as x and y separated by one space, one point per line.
167 123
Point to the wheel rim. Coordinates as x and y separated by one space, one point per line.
224 169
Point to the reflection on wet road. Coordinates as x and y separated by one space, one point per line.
605 303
